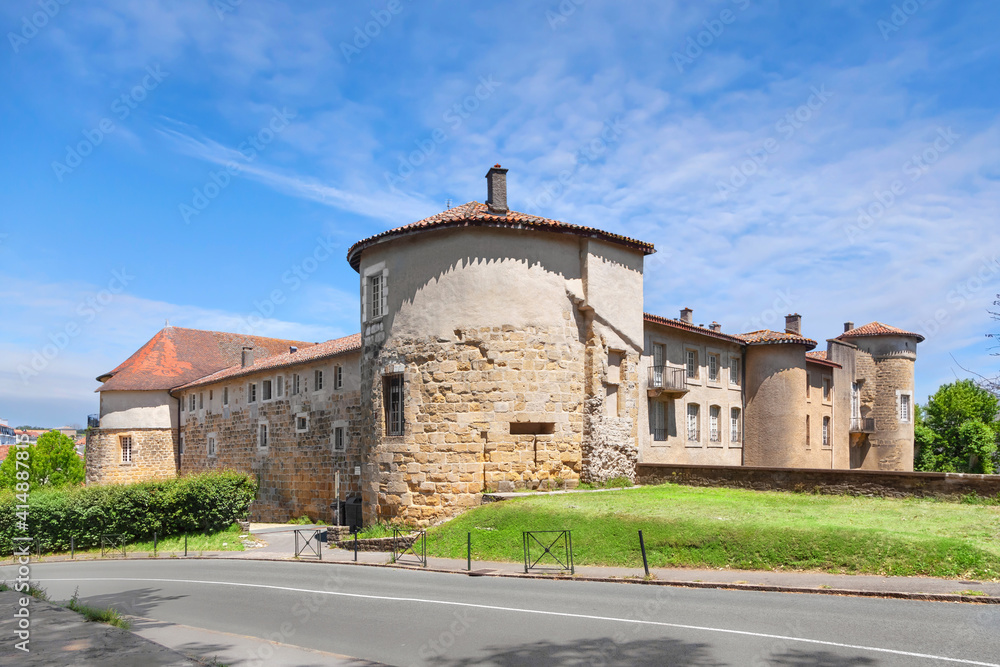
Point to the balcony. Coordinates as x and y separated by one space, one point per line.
862 424
666 379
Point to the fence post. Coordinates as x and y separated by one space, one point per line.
154 544
185 546
355 547
642 547
468 555
72 548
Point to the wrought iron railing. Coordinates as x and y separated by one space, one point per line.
862 424
667 378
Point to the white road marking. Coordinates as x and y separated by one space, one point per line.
612 619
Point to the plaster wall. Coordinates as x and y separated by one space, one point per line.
774 427
138 409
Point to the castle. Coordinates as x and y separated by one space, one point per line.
498 351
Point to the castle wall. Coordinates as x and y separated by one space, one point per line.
296 470
153 455
885 363
774 428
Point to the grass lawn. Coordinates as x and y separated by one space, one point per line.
227 539
750 530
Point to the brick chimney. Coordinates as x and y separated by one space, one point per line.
687 315
793 324
848 326
496 189
715 326
247 357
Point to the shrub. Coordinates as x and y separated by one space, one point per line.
168 507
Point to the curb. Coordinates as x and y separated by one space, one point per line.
676 583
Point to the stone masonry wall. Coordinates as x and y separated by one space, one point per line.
296 471
461 396
154 453
892 443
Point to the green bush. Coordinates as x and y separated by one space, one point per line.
209 501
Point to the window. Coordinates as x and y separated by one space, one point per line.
713 368
714 416
201 401
301 422
808 384
262 436
808 433
826 431
211 444
904 408
252 392
826 389
183 405
692 364
338 377
225 395
393 385
279 386
659 361
317 380
855 400
265 390
211 393
339 440
193 407
658 420
692 422
295 384
376 286
126 443
734 371
180 445
734 425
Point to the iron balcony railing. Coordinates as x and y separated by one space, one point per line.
862 424
667 378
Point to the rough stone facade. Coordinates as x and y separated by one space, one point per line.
153 455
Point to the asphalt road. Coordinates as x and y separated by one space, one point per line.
425 618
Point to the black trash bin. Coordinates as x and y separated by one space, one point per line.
352 513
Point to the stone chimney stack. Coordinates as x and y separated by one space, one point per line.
496 190
247 359
715 326
793 324
687 315
848 326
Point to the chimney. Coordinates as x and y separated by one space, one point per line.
292 349
247 359
715 326
793 324
848 326
496 190
687 315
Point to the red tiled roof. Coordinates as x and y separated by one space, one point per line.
176 356
474 214
878 329
768 337
819 357
330 348
684 326
817 354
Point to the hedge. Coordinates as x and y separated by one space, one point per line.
209 501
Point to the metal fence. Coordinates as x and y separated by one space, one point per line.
112 544
557 545
403 548
308 543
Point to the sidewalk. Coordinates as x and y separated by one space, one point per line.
281 546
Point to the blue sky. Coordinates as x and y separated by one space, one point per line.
194 161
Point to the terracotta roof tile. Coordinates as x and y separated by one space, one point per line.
474 214
768 337
819 357
330 348
684 326
878 329
817 354
175 356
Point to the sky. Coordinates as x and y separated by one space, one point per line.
209 162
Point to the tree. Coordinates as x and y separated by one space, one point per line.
958 430
52 461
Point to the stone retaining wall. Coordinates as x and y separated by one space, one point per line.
377 543
890 484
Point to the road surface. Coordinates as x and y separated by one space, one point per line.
423 618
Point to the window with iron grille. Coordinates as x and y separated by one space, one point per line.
301 422
126 443
339 440
393 385
904 407
734 425
714 416
658 420
211 445
693 425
